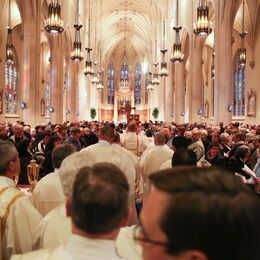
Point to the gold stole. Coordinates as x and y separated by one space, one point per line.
8 196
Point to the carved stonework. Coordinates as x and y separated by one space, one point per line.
251 103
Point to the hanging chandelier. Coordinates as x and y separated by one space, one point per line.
177 56
9 44
150 86
203 27
77 54
95 79
155 80
164 71
53 24
100 85
242 50
88 65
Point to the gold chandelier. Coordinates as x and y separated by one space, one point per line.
9 45
77 54
155 80
150 86
53 24
100 85
164 71
88 65
177 56
203 27
242 50
95 79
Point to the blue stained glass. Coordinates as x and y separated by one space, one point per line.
239 89
138 89
111 83
124 72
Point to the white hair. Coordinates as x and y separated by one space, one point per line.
70 167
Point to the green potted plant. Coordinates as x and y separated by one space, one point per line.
93 113
155 112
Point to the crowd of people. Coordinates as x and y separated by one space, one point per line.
139 191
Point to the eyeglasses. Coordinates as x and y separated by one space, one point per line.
138 230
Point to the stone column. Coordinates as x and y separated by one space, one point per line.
169 95
196 79
162 98
179 87
223 62
30 65
56 78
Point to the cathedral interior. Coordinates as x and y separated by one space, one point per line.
72 60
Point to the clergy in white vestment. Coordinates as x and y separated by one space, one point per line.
48 193
127 162
98 208
54 229
18 217
102 149
155 158
133 141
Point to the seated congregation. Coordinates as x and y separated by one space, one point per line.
136 191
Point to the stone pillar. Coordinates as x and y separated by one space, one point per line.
196 79
56 78
30 65
162 98
169 95
180 92
223 63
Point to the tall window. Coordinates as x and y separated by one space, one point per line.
111 83
101 77
124 72
138 78
146 90
10 89
239 88
47 92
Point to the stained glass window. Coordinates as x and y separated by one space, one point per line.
48 92
111 83
239 88
138 84
124 72
10 89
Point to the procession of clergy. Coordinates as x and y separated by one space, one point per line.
95 177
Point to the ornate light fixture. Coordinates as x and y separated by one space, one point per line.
203 26
164 71
88 65
77 54
95 79
242 50
156 80
177 56
53 24
9 45
100 85
150 86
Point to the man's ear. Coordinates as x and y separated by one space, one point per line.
194 255
11 166
67 205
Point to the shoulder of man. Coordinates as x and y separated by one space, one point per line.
42 254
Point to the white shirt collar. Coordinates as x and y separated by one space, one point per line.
101 249
5 182
103 143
